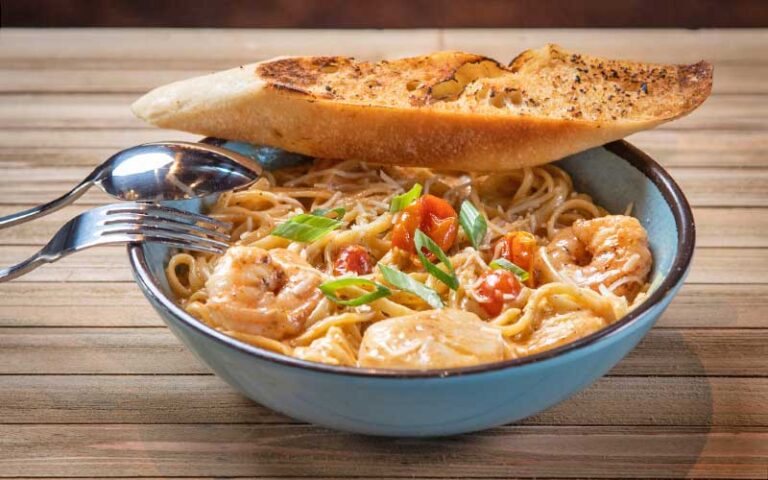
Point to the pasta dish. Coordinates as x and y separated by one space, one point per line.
354 264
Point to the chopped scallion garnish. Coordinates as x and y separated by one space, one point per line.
422 241
323 212
473 223
404 282
507 265
330 289
306 227
401 201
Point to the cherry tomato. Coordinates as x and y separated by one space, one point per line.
519 248
433 216
495 284
353 259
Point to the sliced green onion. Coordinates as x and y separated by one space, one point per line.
330 289
422 241
404 282
306 227
401 201
473 223
323 212
507 265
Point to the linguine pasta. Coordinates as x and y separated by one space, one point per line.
535 266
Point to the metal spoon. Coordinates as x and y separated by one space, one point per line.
158 171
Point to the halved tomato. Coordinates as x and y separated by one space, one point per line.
433 216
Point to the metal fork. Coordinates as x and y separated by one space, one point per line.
124 223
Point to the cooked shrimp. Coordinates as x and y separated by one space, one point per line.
269 293
611 251
432 339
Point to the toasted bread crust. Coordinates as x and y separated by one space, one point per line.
449 110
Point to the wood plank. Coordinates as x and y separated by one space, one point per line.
103 304
723 112
74 60
110 264
110 138
189 47
139 77
704 187
715 227
156 351
679 401
667 45
297 450
95 351
203 49
129 79
35 157
672 148
729 265
730 227
726 112
42 229
24 186
110 304
698 352
68 111
734 187
737 78
718 306
719 401
102 264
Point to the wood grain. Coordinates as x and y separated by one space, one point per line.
705 187
173 47
672 148
202 49
85 60
137 77
718 306
93 384
56 110
297 450
104 264
102 304
112 304
687 401
715 227
688 352
110 264
729 265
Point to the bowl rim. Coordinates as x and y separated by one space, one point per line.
670 191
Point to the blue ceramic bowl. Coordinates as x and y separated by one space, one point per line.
446 402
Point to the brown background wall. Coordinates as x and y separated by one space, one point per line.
384 13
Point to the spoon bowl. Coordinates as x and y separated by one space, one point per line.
174 171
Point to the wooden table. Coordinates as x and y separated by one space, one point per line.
93 385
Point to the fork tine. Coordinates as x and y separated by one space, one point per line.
185 245
137 238
167 212
166 223
161 233
192 216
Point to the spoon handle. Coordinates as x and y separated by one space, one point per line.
45 209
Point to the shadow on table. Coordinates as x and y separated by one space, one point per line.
619 427
628 425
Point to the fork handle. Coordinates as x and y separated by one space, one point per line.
23 267
45 209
